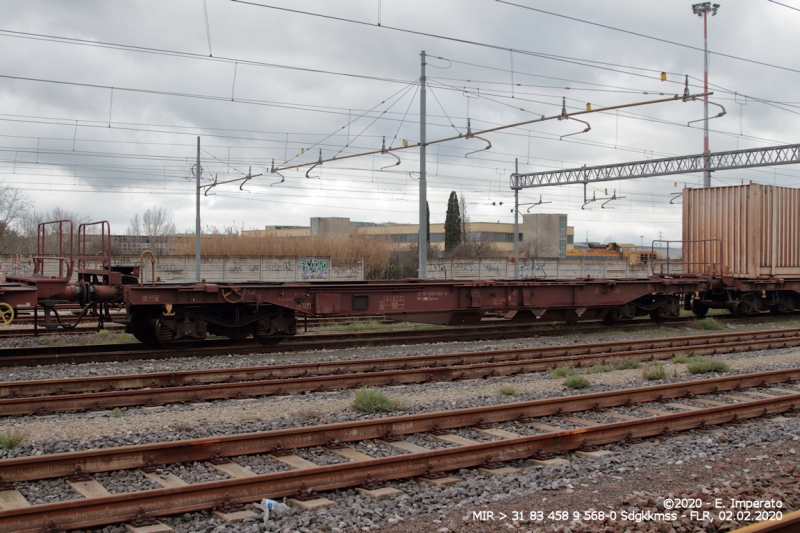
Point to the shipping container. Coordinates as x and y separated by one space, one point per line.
748 231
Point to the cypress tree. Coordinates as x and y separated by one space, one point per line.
452 224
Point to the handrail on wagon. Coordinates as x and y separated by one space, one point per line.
709 261
152 267
41 247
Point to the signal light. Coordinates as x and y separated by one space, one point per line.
588 107
663 76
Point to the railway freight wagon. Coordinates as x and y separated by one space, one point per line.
741 253
747 239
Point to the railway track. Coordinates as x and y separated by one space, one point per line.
517 429
45 355
76 354
151 389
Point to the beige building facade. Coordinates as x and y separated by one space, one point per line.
541 234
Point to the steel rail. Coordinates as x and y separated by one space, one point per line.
70 354
127 457
41 355
268 387
643 349
161 502
790 523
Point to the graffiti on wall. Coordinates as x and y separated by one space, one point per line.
278 266
532 270
313 268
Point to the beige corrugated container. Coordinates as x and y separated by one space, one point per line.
755 231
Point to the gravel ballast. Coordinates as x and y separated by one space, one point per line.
726 460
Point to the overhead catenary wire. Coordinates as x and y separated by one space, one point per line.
584 62
642 35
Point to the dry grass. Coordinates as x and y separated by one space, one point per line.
375 252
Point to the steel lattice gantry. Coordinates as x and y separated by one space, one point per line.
758 157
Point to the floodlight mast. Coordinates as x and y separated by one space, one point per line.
702 10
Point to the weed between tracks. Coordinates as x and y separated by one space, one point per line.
11 438
102 336
679 359
701 365
707 323
654 371
508 390
373 401
599 369
628 364
562 372
577 382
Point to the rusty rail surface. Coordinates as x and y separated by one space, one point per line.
75 394
45 355
160 502
492 330
91 461
790 523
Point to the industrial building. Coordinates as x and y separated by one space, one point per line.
545 235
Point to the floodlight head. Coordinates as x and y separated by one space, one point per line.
714 9
702 8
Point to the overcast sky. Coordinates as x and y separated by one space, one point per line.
281 83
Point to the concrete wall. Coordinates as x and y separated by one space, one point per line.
562 268
232 269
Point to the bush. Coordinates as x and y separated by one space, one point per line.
707 323
508 390
598 369
654 371
562 372
11 438
373 401
628 364
701 365
577 382
679 359
117 413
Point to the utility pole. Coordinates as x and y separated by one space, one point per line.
198 171
702 10
516 221
423 193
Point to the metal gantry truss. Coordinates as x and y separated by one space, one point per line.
757 157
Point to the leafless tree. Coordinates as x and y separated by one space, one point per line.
536 247
13 207
477 249
156 225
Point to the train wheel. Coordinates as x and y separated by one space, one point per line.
270 340
611 317
6 314
165 337
143 327
699 309
741 310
